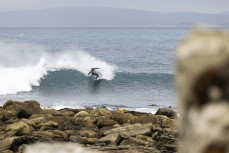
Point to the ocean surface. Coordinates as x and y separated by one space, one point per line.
50 65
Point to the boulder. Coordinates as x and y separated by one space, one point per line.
88 122
100 112
144 118
167 112
122 118
82 114
105 122
23 109
166 122
130 130
37 120
19 128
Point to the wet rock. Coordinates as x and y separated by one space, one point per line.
130 130
167 112
19 128
100 112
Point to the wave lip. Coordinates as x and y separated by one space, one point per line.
24 65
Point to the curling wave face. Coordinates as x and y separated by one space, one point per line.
24 65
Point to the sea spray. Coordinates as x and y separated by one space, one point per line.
23 65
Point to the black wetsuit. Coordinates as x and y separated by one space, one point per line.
92 72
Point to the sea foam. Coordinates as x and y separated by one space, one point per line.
23 65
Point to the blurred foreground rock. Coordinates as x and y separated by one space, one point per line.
203 86
24 123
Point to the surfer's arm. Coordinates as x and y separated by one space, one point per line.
96 68
89 73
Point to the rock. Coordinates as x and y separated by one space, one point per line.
156 127
48 124
7 115
106 122
88 122
23 109
64 122
37 115
43 134
37 120
166 122
144 118
167 112
19 128
7 151
100 112
111 139
123 118
91 140
66 112
130 130
145 138
134 142
16 143
82 114
6 143
87 133
60 133
50 112
78 139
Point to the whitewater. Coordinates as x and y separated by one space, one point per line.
23 65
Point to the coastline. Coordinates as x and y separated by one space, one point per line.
99 129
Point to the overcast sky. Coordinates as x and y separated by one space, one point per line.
204 6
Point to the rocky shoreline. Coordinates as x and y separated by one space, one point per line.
100 129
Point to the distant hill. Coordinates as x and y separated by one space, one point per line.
107 17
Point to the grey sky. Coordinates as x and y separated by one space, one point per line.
204 6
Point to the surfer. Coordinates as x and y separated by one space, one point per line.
92 72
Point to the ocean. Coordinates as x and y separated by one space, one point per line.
51 65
